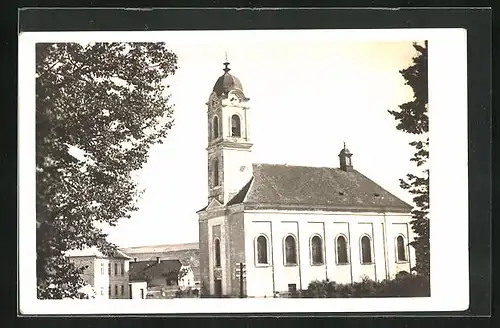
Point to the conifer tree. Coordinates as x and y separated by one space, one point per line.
412 117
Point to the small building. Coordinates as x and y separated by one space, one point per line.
138 289
106 275
186 277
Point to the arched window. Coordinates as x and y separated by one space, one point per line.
342 250
316 250
366 250
262 250
217 251
235 126
216 172
290 250
215 125
400 249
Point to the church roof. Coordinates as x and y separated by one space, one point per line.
277 186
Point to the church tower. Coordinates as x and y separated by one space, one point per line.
229 146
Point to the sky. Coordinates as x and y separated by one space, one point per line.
307 94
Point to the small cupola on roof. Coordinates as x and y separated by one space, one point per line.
345 159
227 82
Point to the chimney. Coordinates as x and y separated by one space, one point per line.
157 259
135 259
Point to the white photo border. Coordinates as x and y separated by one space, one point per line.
448 162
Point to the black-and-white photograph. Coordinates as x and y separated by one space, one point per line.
256 165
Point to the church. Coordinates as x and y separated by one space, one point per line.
290 225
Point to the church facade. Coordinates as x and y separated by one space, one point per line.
290 225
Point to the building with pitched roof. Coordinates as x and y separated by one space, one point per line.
107 275
187 254
289 225
162 278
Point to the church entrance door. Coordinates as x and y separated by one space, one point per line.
218 288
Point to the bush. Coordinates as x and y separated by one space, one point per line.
187 293
403 285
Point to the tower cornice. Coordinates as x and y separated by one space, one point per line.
230 145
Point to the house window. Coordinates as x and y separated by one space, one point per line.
102 291
217 252
216 127
290 250
116 269
235 126
122 268
342 250
142 293
130 291
262 250
400 249
216 172
109 269
116 290
102 269
109 290
366 250
316 250
123 290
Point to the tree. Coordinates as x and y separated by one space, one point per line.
99 109
412 118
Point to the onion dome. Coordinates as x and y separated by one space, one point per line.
227 82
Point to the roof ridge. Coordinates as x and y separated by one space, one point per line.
295 165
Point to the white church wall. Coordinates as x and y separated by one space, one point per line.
259 276
396 229
277 224
340 273
363 228
379 250
285 275
313 271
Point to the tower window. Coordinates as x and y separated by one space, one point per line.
217 252
316 250
290 250
216 172
235 126
342 250
400 249
262 249
366 250
216 127
348 161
